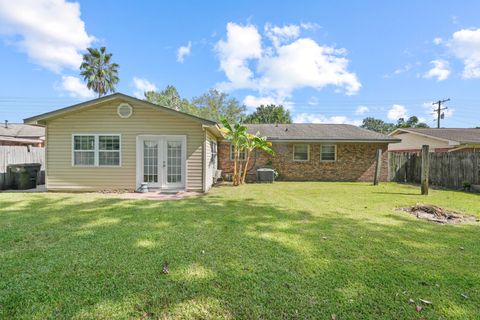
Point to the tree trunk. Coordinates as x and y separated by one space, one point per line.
240 168
246 167
235 159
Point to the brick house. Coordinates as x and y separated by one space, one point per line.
118 142
315 152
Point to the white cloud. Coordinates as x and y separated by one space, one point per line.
404 69
309 25
440 70
437 40
291 64
243 43
304 63
361 110
279 35
319 118
253 102
465 45
184 51
313 101
142 86
75 87
51 32
396 112
398 71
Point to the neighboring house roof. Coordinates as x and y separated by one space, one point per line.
21 140
20 130
459 135
40 119
318 132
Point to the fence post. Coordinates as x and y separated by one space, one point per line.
378 167
425 169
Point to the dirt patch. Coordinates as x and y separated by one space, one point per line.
438 214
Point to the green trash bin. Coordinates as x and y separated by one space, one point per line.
24 175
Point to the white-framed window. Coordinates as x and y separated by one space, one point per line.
301 152
242 155
328 152
96 150
84 150
213 146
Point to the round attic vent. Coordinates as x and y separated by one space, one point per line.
124 110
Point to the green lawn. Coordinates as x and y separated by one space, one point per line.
287 250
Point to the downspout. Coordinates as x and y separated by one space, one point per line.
204 161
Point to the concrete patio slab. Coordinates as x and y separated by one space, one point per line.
157 195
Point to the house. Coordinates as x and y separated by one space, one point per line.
439 140
19 134
316 152
118 142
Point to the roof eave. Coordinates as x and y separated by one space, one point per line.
41 119
423 135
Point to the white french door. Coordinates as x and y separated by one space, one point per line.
161 161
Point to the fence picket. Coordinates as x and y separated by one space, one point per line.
446 169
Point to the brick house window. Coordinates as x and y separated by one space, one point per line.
301 152
242 156
328 152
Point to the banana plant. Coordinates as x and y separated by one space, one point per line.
237 136
254 142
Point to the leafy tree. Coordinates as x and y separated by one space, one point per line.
216 105
411 122
100 74
170 98
213 105
377 125
381 126
269 114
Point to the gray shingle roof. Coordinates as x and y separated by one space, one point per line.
462 135
314 131
18 130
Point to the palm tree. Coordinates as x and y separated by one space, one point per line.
100 74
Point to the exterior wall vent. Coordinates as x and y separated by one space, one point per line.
124 110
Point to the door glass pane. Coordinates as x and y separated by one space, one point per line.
174 162
150 161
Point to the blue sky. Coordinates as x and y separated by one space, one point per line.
327 61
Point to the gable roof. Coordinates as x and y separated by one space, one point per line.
40 119
318 132
460 135
20 130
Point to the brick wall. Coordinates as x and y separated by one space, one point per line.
355 162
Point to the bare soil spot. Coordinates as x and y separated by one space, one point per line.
438 214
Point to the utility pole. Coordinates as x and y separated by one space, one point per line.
439 109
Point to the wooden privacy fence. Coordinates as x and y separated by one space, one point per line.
20 154
447 169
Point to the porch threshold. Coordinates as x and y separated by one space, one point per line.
160 195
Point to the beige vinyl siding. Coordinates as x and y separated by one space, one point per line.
145 120
211 163
411 141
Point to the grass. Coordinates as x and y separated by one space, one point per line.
287 250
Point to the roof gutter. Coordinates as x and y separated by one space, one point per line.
334 140
466 146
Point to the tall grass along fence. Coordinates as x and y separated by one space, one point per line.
447 169
20 154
